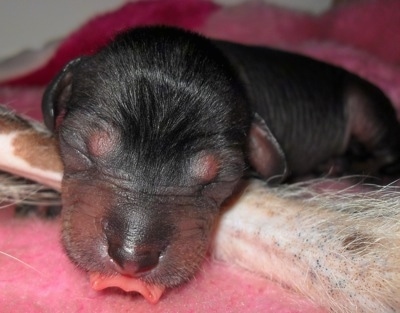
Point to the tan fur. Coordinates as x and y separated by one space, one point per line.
33 143
340 249
29 149
44 155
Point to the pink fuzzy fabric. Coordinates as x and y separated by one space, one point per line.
48 282
363 37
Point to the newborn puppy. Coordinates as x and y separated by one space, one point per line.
157 129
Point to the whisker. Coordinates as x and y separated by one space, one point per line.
16 190
21 262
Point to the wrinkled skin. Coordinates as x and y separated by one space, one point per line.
157 129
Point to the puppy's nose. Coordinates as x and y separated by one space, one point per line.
134 261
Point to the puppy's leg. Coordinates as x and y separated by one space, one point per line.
339 249
28 150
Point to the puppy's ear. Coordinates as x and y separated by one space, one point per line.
264 152
57 94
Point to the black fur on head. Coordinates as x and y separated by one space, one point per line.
152 131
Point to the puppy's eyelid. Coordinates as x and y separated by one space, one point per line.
72 141
208 186
76 160
84 155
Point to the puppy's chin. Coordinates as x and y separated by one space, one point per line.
89 207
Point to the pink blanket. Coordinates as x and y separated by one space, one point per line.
36 276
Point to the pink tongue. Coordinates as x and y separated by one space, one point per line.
152 293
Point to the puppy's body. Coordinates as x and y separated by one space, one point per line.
315 111
157 129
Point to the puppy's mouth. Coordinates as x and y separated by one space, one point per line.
118 260
151 292
177 266
141 245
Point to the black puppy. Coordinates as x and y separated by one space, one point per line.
157 129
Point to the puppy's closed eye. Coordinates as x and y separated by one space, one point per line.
77 160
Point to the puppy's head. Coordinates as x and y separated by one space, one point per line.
151 131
